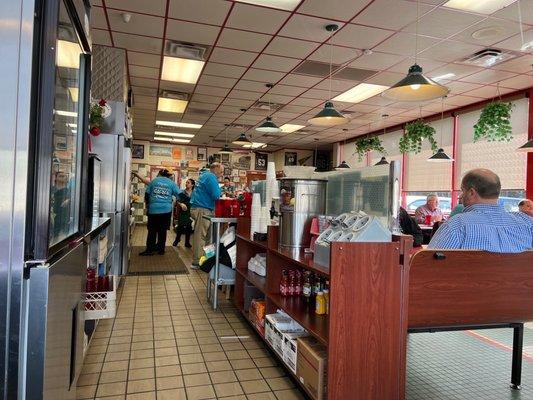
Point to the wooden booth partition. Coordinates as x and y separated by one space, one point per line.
368 320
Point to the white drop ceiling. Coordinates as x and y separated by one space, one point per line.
253 45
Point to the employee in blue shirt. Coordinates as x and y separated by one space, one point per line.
484 224
158 196
206 191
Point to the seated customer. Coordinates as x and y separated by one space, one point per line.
484 224
431 208
526 207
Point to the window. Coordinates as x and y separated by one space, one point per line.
66 157
391 145
417 199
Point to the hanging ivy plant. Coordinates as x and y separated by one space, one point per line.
366 144
415 133
494 123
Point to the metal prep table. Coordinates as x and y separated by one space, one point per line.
215 238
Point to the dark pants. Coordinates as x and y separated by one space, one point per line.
158 225
186 230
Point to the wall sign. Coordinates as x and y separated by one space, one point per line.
291 158
261 160
160 151
137 151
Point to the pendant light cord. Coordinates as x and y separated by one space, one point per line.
416 31
330 61
441 119
520 21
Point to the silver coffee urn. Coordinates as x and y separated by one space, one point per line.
300 201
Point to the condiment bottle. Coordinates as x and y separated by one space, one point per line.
320 303
283 289
326 297
306 287
297 283
292 283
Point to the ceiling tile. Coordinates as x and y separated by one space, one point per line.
511 12
450 51
275 63
100 37
488 92
515 42
488 76
204 98
238 103
139 90
426 64
221 92
280 99
390 14
151 83
459 70
243 94
300 80
290 47
217 81
376 61
233 57
497 29
206 11
459 87
260 75
403 44
520 65
192 32
287 90
300 101
143 72
337 85
98 19
443 23
154 7
361 37
340 54
241 40
177 86
251 86
385 78
138 43
307 28
139 24
143 59
228 71
339 10
256 19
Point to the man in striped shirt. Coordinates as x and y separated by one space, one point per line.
483 224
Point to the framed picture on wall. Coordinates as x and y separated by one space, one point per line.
137 151
202 154
261 161
225 158
291 158
160 151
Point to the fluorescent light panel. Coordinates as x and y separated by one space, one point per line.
174 134
178 124
289 128
360 92
161 139
479 6
68 54
288 5
443 77
66 113
255 145
181 70
171 105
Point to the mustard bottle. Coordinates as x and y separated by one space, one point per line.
326 298
320 303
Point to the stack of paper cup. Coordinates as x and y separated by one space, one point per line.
255 214
263 221
271 184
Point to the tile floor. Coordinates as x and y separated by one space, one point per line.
166 343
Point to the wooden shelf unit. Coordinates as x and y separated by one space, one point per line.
366 283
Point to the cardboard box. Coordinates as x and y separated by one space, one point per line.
311 366
273 335
290 348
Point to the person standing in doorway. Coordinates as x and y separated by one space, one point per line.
182 214
203 198
158 196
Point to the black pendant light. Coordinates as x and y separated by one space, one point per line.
242 140
268 126
440 155
329 116
415 86
343 164
383 161
527 147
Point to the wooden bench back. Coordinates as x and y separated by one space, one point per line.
470 287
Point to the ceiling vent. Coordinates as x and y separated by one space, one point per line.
487 58
199 111
265 106
354 74
170 94
185 50
314 68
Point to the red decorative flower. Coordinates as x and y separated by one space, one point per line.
95 131
102 102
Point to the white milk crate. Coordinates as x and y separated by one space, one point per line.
100 305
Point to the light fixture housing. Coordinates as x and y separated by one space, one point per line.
173 140
416 87
178 124
342 165
242 140
288 5
181 70
268 126
255 145
174 134
328 116
360 93
440 156
225 150
383 161
527 147
481 7
171 105
290 128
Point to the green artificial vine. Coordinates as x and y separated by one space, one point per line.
494 123
366 144
415 133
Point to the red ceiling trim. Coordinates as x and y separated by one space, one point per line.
529 165
162 52
108 23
